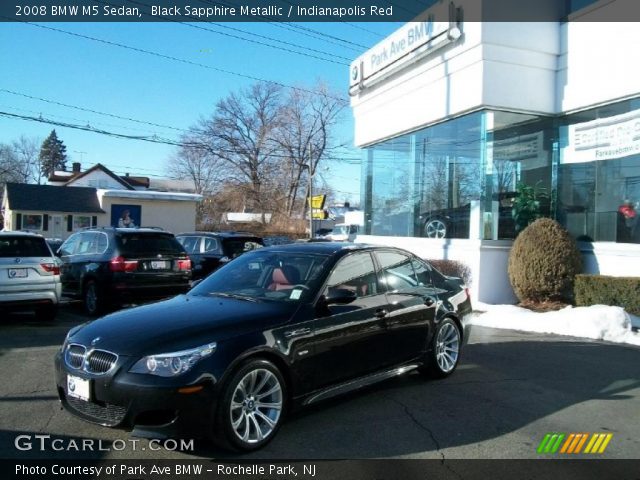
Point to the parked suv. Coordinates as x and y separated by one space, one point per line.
210 250
29 274
113 266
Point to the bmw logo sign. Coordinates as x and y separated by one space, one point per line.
95 341
18 260
72 385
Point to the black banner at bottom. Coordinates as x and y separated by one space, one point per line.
323 469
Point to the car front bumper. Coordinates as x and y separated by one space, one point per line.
150 406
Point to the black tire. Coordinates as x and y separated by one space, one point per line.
435 228
46 313
440 361
239 415
92 298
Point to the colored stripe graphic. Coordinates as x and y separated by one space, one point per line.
598 443
574 443
550 443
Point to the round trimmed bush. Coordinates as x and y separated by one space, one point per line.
543 263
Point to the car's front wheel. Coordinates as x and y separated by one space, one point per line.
252 407
435 228
444 355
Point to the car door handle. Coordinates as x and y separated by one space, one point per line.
381 313
297 332
429 301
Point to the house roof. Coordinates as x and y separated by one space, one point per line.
99 166
50 198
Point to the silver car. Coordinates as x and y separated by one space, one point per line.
29 274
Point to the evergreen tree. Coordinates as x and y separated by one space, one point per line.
53 154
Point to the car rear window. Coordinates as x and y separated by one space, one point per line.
23 247
137 245
238 246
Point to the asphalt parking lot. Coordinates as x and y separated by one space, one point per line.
509 391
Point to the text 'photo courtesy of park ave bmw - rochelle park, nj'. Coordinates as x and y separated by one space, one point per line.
284 239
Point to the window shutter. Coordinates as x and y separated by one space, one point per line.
45 222
94 221
18 221
69 223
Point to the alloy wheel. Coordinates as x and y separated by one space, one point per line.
447 347
435 229
256 406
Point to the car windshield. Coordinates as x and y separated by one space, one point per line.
23 247
140 244
266 276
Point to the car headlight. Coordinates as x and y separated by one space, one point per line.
172 364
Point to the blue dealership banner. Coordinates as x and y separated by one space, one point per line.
126 216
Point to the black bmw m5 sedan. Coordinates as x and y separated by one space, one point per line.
276 328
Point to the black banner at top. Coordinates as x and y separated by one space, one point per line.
317 10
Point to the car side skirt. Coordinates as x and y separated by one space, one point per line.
358 383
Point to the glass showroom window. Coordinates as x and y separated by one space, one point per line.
599 173
423 183
517 165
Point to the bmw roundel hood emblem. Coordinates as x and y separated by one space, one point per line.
95 341
18 260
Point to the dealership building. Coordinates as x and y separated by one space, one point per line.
462 122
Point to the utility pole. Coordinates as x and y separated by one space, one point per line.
310 191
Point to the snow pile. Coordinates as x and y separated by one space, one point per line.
599 322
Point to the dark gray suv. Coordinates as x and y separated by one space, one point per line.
106 266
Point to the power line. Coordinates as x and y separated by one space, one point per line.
267 45
89 110
177 59
146 138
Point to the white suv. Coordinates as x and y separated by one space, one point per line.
29 274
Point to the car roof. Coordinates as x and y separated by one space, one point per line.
327 248
219 234
17 233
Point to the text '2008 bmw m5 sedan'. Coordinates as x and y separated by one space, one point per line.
275 328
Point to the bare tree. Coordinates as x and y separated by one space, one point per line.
28 151
304 136
240 132
199 166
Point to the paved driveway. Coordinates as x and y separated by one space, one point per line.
510 390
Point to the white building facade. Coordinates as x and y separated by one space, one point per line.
462 122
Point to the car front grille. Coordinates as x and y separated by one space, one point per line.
74 356
98 362
107 414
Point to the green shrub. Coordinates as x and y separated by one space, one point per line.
453 268
543 263
601 290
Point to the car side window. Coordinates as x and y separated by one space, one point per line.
397 271
211 245
70 244
355 272
423 272
102 242
87 244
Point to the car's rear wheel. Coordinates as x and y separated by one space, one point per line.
93 301
444 355
435 228
252 406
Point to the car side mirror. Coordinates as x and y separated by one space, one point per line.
339 296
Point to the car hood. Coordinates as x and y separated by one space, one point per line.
182 322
